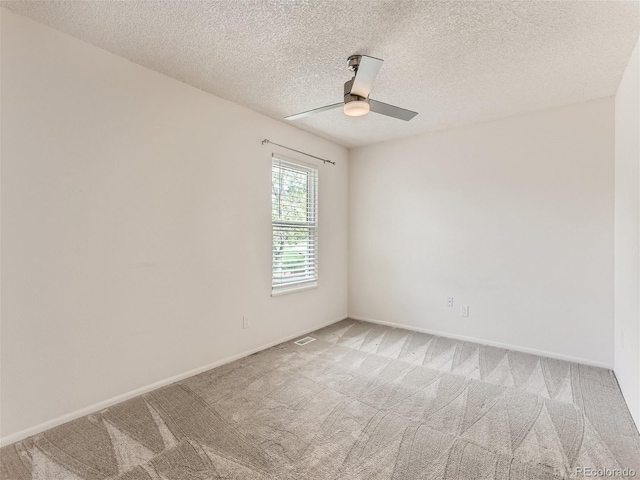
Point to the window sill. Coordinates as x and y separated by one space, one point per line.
293 289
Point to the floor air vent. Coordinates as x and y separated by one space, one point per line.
304 341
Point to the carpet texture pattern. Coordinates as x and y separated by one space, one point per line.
363 401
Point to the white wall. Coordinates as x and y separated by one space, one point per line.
627 236
513 218
136 228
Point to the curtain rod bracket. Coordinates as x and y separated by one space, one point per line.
266 141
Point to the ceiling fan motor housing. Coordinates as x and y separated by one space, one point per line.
349 97
354 105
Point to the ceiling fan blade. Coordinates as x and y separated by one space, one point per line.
315 110
391 111
365 76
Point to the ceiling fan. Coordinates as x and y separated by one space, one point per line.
356 93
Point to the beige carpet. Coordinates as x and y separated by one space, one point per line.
361 402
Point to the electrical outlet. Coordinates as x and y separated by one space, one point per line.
450 302
245 321
464 310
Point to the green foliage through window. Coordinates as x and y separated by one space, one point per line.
294 216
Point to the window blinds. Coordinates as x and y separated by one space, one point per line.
294 217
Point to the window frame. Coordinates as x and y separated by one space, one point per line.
312 198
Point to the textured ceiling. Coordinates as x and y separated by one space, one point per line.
454 62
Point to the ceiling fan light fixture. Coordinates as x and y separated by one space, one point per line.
356 108
356 93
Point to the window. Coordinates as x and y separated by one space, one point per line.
294 217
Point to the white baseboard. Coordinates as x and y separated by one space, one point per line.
96 407
533 351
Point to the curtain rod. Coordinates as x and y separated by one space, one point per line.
265 141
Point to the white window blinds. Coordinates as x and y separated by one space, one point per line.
294 217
